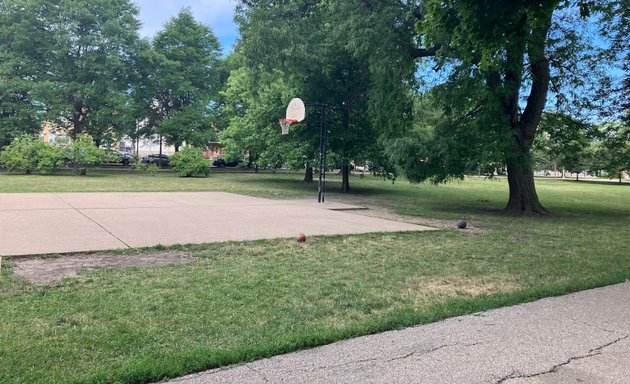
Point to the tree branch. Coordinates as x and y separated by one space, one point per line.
539 66
422 52
465 117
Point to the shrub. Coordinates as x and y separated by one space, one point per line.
22 154
50 158
190 161
83 153
151 169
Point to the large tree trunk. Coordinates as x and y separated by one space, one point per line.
345 177
523 196
308 174
250 160
76 126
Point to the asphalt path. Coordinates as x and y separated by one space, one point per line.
44 223
577 338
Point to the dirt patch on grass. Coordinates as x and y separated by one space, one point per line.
374 210
463 286
49 270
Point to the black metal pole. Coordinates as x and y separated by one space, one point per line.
160 151
322 149
325 134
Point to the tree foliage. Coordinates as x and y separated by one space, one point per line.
568 141
89 64
24 40
251 132
613 149
339 54
82 154
68 61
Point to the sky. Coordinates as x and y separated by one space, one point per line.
216 14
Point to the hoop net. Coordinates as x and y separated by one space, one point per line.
285 124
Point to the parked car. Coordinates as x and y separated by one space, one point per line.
362 167
222 163
155 159
118 157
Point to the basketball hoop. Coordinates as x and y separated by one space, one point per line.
285 124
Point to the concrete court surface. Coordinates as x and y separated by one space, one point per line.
578 338
38 223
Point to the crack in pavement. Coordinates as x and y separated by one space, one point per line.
406 356
80 212
598 349
257 373
602 328
410 354
593 352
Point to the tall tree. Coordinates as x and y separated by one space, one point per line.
319 48
67 61
613 149
89 65
25 43
500 60
491 46
181 79
568 141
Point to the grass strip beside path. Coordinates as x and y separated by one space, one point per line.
246 300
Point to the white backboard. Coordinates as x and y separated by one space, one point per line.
296 110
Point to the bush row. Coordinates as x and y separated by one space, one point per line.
29 154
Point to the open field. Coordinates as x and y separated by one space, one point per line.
126 180
241 301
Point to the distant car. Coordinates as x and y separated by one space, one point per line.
362 168
222 163
155 159
118 157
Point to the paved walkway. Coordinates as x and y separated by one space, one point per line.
37 223
578 338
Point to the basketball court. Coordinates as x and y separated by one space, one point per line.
43 223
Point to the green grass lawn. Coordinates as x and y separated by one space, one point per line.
280 185
241 301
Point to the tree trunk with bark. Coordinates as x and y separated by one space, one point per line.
523 197
76 126
308 174
345 177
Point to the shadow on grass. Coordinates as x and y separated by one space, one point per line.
611 182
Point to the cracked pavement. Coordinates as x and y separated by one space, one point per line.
578 338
